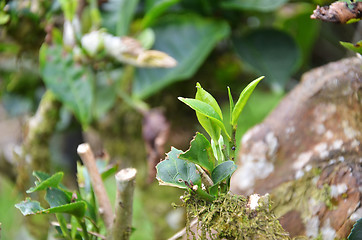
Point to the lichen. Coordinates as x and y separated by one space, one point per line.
230 217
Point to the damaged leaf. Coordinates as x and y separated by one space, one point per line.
200 153
30 207
174 171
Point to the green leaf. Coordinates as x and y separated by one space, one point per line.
231 103
223 171
106 92
71 83
271 53
147 38
206 97
208 111
63 225
56 197
29 207
356 232
210 127
154 9
304 30
200 153
41 176
243 98
4 18
117 15
253 5
174 171
51 182
187 38
353 47
69 8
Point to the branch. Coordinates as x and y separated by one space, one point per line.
122 227
183 231
105 208
338 12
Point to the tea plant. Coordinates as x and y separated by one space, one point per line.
78 213
205 170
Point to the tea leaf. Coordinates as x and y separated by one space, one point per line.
222 171
243 98
174 171
200 153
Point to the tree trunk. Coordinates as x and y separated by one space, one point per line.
307 153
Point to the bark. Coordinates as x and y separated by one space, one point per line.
338 12
122 227
307 153
105 208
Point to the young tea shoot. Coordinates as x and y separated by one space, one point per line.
206 167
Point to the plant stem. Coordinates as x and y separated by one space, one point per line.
182 232
122 227
63 226
84 228
105 208
204 177
218 152
233 144
204 195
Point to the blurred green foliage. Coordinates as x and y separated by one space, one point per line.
218 43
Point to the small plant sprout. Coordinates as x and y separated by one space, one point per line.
205 170
206 167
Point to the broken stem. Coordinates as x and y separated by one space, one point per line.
105 208
122 227
183 231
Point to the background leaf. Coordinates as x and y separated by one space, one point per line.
173 171
222 171
200 153
154 8
271 53
71 83
187 38
107 84
257 5
117 15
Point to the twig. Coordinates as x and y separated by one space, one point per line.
182 232
105 208
122 227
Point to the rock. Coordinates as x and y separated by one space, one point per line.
308 153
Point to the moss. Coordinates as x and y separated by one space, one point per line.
230 217
301 194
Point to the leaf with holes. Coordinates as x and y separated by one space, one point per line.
174 171
29 207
